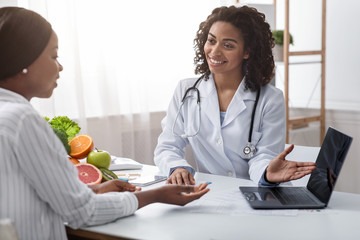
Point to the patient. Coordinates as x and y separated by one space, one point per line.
40 189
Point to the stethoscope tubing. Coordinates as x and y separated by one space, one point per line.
249 149
253 115
194 88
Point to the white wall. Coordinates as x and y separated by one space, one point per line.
5 3
343 61
342 53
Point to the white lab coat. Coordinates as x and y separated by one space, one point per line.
218 149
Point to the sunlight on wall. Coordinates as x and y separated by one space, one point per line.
122 56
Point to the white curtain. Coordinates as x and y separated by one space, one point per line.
122 61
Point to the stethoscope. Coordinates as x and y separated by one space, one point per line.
249 150
193 88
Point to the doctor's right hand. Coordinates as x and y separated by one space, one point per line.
282 170
181 176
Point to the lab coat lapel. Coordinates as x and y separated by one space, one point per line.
210 101
237 104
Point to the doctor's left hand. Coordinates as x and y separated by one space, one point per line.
282 170
181 176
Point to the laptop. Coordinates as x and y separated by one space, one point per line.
321 183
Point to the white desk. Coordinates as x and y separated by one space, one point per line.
340 220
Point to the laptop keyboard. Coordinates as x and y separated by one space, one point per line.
292 195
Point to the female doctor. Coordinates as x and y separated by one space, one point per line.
232 118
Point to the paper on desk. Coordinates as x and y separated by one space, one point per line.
118 163
147 180
231 202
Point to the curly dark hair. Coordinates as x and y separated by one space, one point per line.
259 67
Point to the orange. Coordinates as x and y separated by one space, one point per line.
74 161
80 146
88 173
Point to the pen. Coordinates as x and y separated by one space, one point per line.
123 179
128 174
209 183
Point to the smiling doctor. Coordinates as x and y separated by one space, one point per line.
231 116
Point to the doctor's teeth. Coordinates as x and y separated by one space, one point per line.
214 61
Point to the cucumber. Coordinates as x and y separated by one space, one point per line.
108 174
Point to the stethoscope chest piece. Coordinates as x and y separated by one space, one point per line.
249 151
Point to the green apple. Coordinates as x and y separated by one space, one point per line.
99 158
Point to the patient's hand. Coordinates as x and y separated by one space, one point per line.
282 170
172 194
113 186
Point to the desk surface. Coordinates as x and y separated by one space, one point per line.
224 214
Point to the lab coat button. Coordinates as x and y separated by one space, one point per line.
219 141
229 174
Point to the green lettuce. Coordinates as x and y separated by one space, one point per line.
65 124
63 138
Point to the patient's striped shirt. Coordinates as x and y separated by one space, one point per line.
39 187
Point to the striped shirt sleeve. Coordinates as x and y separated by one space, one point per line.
46 166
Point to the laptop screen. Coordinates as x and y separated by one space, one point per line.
328 164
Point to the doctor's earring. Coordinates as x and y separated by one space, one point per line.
25 71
